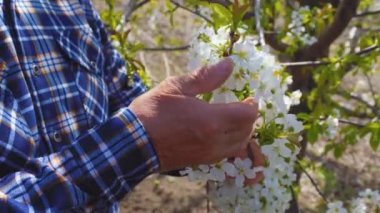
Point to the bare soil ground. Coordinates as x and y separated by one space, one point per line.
355 171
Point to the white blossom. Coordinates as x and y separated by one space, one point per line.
218 171
358 206
243 170
371 196
367 201
332 126
293 99
336 207
260 71
223 95
297 26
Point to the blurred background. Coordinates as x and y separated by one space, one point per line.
357 169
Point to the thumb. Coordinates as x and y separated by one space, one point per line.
207 78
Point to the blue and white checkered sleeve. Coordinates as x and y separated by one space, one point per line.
121 90
101 166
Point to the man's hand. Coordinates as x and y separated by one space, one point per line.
186 131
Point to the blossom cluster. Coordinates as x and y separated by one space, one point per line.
331 123
258 72
367 201
297 26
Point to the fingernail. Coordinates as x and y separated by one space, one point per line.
225 64
249 101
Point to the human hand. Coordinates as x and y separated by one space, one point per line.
186 131
253 151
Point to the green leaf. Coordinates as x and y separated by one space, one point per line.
222 11
375 139
312 133
328 148
221 16
350 134
339 150
303 116
238 13
207 97
329 179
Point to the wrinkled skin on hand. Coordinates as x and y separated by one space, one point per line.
186 131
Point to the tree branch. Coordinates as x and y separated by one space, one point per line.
128 10
318 3
304 63
256 5
271 38
344 121
368 50
197 13
317 63
225 3
180 48
140 4
373 108
371 88
313 182
368 13
345 11
352 113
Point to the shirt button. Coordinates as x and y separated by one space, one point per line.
57 137
36 70
93 64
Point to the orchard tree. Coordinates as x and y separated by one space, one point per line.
292 56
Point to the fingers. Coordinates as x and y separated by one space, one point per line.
250 101
207 78
258 161
236 119
237 115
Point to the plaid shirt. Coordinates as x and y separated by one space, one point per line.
68 141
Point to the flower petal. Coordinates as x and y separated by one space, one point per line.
239 181
230 169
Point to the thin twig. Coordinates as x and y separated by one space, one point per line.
259 28
304 63
313 182
140 4
344 121
197 13
180 48
357 98
367 13
368 50
352 113
371 89
317 63
131 7
373 108
225 3
128 11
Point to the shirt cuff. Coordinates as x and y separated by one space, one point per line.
141 138
115 156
